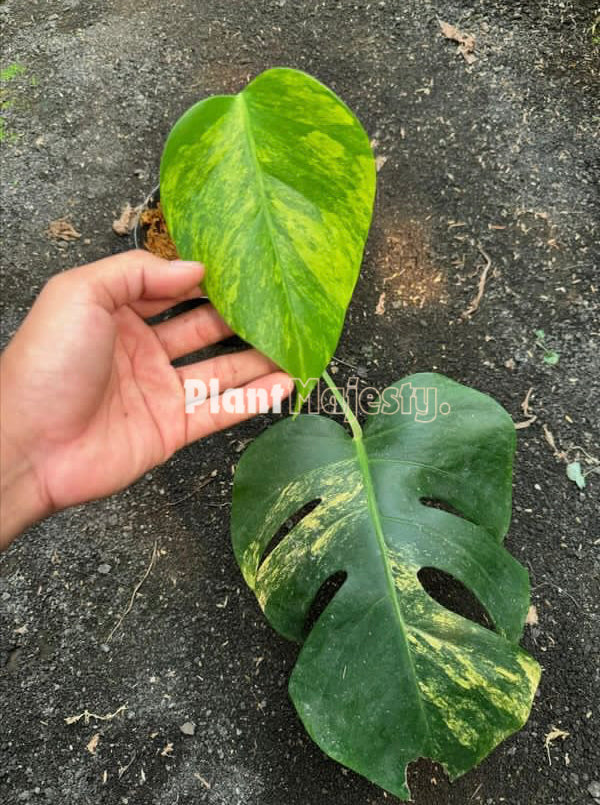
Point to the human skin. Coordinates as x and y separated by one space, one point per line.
89 398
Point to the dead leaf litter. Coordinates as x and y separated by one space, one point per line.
127 220
62 229
554 735
466 42
86 716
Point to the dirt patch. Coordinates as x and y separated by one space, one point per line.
222 77
407 273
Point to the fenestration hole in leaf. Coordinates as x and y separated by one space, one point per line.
453 595
443 506
288 525
324 595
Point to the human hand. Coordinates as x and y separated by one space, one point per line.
89 398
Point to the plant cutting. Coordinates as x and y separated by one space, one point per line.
273 189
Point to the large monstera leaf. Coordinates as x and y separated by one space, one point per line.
387 674
272 189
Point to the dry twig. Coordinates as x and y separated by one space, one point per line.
204 782
203 482
560 454
123 769
86 715
481 286
135 591
527 411
525 404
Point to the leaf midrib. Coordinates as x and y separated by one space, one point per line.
247 128
365 471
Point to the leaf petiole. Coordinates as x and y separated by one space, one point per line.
348 412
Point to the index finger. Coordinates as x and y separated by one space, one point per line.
136 275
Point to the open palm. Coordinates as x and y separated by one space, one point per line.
94 382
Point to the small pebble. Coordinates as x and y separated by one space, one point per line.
188 728
594 789
104 569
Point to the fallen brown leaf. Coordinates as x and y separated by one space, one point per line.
532 616
126 220
380 162
62 229
380 309
525 424
552 736
466 42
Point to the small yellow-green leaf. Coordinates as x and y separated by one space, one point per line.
272 189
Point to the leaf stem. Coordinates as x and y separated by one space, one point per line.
348 412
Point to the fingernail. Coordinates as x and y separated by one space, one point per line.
186 265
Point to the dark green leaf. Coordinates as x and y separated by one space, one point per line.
387 674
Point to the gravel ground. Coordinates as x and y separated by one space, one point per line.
495 158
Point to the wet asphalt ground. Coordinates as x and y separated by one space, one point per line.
497 158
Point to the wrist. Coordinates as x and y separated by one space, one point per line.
22 501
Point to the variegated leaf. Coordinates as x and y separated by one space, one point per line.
272 189
387 675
